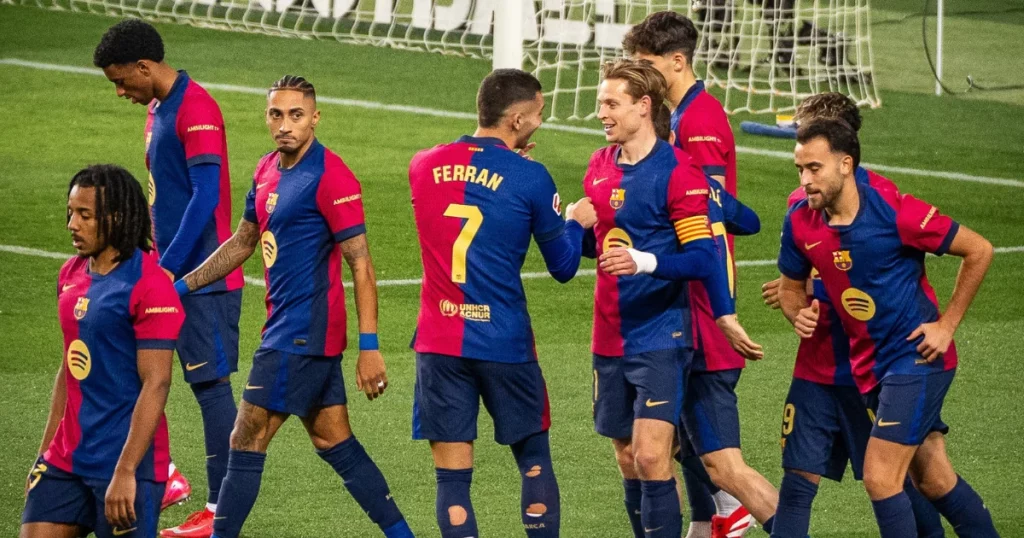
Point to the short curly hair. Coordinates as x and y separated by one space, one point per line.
662 33
829 105
127 42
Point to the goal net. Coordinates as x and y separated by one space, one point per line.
756 55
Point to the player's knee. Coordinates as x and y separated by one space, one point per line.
624 457
648 462
457 515
934 483
725 471
881 483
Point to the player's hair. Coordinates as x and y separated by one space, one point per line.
127 42
641 78
121 210
502 89
663 33
295 83
840 136
663 124
829 105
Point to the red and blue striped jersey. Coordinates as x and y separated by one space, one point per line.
183 130
303 213
477 204
703 131
824 358
106 320
873 273
657 205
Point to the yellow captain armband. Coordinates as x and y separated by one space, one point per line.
692 229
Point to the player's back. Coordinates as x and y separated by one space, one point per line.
702 130
476 204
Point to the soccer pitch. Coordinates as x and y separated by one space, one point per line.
963 154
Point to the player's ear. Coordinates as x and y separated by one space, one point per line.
316 118
143 67
516 121
678 62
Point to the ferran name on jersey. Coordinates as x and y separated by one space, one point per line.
618 198
271 202
81 308
468 312
467 173
842 260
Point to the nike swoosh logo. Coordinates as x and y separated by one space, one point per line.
251 387
655 404
219 518
809 246
190 367
596 181
66 287
653 530
918 362
122 532
884 424
261 185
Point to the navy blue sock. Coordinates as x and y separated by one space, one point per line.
769 525
695 466
453 508
238 492
702 506
634 500
217 405
793 516
539 499
895 517
365 483
659 510
964 510
926 517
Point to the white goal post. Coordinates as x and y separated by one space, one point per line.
757 55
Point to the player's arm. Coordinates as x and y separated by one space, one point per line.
977 253
560 243
704 141
58 399
739 219
205 180
228 257
371 375
792 288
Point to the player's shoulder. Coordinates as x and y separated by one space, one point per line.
427 153
879 181
603 156
884 194
335 167
268 160
705 109
196 100
74 265
800 212
795 196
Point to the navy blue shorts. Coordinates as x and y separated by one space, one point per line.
56 496
208 343
909 407
448 393
823 427
710 415
648 385
294 384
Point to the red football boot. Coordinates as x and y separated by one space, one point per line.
198 525
178 490
734 525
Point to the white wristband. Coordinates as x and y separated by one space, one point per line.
645 262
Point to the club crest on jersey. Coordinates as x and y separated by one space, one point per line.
617 198
81 307
271 202
842 260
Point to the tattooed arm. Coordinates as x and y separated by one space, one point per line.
371 377
228 257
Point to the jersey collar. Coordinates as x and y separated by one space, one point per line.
180 82
481 141
691 94
312 149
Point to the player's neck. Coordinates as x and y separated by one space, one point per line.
163 80
104 262
684 82
640 146
846 207
501 134
289 160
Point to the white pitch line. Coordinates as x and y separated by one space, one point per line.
423 111
255 281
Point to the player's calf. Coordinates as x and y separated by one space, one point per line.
796 495
453 507
540 501
950 494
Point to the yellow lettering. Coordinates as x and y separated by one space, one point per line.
495 182
446 172
458 175
470 173
481 178
437 174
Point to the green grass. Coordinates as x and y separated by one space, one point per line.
58 122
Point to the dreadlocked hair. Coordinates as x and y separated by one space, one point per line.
121 210
296 83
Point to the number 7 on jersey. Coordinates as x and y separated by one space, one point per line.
474 218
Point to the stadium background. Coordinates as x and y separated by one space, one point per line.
964 153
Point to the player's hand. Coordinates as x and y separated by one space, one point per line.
618 262
582 212
738 339
525 152
371 375
807 320
770 293
935 339
120 500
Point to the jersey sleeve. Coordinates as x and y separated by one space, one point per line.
200 128
339 198
545 209
249 213
688 203
923 227
792 262
703 138
157 314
